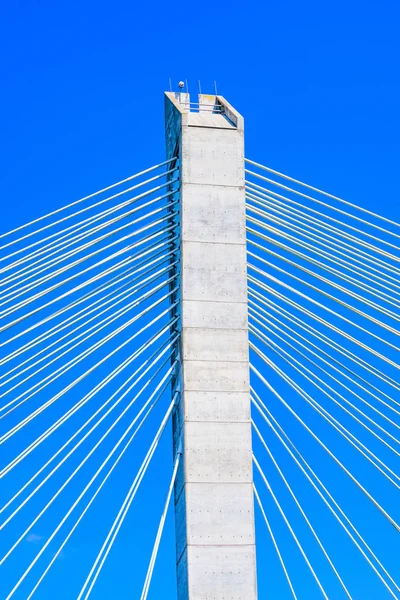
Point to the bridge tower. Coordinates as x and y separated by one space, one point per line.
214 506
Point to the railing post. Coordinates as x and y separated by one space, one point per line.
214 506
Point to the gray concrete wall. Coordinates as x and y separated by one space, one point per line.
213 495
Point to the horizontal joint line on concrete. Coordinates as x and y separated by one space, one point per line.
222 243
187 482
203 184
246 391
215 360
215 301
215 328
247 421
212 301
213 243
219 545
212 545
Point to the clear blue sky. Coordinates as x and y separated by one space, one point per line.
81 106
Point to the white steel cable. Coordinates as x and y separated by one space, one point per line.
90 502
331 207
88 334
265 227
54 212
339 232
289 217
334 284
88 281
27 288
341 349
271 533
83 314
258 404
110 304
82 224
153 558
33 272
352 242
331 359
317 439
57 285
262 314
48 541
104 416
80 357
337 425
108 543
141 254
300 547
319 252
56 330
293 495
326 294
61 420
329 310
314 189
159 352
162 385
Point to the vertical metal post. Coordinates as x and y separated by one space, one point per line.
214 505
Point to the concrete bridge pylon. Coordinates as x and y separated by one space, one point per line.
214 506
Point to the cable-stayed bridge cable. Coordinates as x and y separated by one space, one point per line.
266 324
74 361
293 495
344 432
363 221
314 189
78 262
138 373
310 474
319 252
118 299
79 201
153 558
34 272
326 308
331 454
289 581
107 545
68 233
136 482
318 289
300 547
341 349
313 229
331 362
161 386
139 254
105 300
158 246
93 497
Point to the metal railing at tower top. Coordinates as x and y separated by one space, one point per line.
201 107
212 105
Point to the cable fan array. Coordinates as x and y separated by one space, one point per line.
324 299
89 324
90 374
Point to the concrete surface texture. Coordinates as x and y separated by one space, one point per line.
214 504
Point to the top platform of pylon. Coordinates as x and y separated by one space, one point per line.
209 111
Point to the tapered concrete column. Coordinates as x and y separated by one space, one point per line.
213 495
